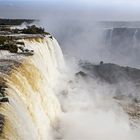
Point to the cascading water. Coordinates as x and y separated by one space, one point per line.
33 109
135 39
46 104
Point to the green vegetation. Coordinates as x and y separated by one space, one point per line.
3 39
15 21
13 48
8 44
11 44
10 47
8 39
5 29
33 30
30 30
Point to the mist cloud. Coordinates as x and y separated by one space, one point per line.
90 112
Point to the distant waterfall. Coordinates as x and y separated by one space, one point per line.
33 109
135 39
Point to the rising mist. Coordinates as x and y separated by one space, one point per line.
90 108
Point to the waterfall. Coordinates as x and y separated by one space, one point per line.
49 102
135 39
110 37
33 109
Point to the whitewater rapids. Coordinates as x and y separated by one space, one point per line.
33 108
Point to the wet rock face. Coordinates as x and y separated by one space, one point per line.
112 73
1 123
81 73
124 81
3 99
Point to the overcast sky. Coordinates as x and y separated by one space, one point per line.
101 9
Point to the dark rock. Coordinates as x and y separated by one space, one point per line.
26 50
2 120
81 73
112 73
101 62
20 43
13 48
50 37
5 99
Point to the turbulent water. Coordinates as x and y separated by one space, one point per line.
49 101
33 109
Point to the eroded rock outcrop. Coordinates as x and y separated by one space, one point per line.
122 79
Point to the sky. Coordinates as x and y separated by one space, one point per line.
104 9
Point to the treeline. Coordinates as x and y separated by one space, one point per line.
7 43
15 21
33 30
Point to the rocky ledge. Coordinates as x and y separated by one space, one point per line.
124 80
9 38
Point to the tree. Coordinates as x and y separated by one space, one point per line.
33 30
